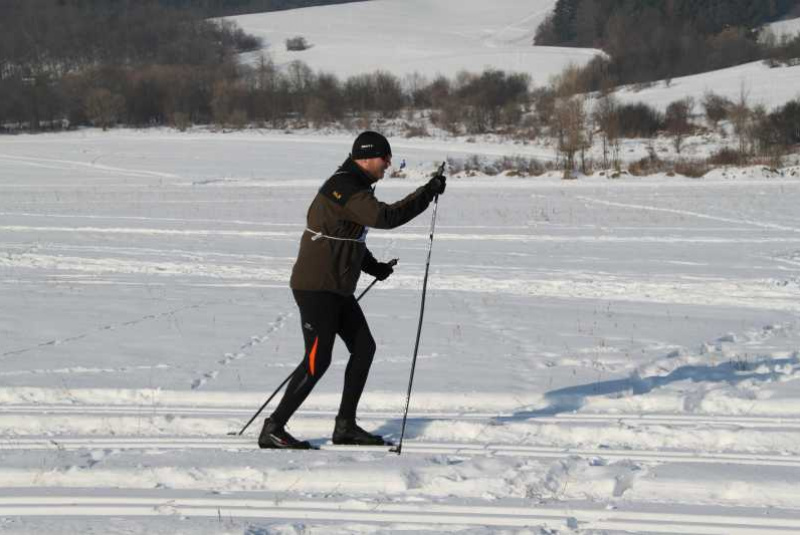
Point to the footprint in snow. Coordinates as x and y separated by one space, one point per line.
197 383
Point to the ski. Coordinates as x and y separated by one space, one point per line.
330 446
340 447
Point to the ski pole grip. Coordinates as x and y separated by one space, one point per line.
393 262
439 172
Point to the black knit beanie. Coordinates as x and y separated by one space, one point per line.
370 144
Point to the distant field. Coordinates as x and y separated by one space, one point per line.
761 84
785 27
425 36
447 36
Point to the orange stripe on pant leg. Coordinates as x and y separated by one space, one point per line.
312 358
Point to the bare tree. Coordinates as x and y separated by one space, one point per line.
569 82
326 102
414 84
606 113
570 125
716 108
269 92
228 104
103 107
678 121
389 97
741 115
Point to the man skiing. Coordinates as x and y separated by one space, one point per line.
332 254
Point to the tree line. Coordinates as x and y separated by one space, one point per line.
760 135
662 39
151 62
109 60
227 8
585 22
233 96
69 58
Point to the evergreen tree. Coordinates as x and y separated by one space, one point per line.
653 39
564 20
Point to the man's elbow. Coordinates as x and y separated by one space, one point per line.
386 223
389 224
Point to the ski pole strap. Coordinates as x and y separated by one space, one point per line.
316 235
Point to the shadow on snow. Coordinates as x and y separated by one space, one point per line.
573 398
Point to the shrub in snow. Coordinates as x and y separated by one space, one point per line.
716 108
103 107
297 44
727 156
511 166
692 169
639 120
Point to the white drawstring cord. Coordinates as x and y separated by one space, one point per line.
319 235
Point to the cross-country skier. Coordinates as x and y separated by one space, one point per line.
333 253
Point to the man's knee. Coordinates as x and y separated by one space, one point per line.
319 360
321 367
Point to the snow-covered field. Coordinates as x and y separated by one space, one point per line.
598 356
428 37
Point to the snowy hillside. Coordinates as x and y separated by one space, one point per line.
770 87
790 27
426 36
446 36
598 356
762 85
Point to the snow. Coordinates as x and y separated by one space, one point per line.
432 37
785 28
598 356
428 37
760 84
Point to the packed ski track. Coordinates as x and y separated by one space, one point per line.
598 356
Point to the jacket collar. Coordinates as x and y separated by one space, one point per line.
351 166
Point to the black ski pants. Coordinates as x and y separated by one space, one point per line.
323 315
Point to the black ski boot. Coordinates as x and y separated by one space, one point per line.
347 432
274 436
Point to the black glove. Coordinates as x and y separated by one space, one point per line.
436 185
382 270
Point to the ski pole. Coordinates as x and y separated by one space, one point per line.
264 406
392 263
399 448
